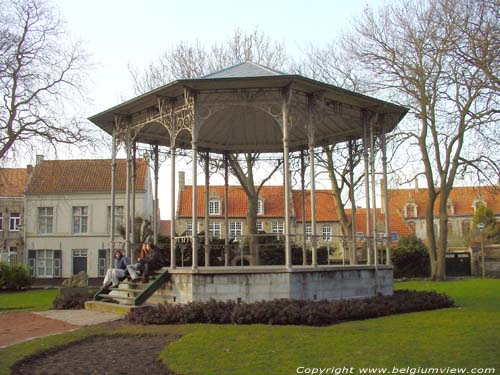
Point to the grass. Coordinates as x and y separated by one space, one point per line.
31 300
466 336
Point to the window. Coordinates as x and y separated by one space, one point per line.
1 221
411 210
394 236
12 255
361 236
14 221
118 218
102 262
44 263
80 219
260 226
214 207
308 232
260 207
327 233
45 219
412 226
235 229
189 228
465 227
214 229
277 227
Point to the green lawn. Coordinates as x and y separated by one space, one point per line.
31 300
466 336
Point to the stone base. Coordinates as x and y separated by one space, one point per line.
249 284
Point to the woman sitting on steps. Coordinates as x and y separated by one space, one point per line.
150 260
113 275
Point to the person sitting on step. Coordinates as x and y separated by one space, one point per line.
113 275
134 268
150 260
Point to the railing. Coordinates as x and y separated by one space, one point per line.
269 249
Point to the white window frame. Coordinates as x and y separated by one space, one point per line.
214 229
47 257
235 229
327 233
260 207
260 226
119 216
81 213
360 236
43 213
214 207
394 236
189 228
14 222
308 232
278 227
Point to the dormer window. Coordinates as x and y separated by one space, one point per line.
260 207
479 201
411 210
214 207
450 207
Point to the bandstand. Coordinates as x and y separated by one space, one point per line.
249 108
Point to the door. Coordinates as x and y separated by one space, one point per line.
79 261
458 264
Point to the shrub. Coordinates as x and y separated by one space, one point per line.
411 258
72 299
14 277
288 312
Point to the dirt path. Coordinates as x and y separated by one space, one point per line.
113 354
22 326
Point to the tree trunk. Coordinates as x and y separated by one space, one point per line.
252 229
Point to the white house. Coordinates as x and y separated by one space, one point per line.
67 217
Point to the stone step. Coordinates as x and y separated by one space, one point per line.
119 298
114 308
127 290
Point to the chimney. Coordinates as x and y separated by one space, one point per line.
29 169
39 159
182 180
416 185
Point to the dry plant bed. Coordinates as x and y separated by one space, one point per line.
291 312
101 354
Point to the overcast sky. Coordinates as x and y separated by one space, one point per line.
117 33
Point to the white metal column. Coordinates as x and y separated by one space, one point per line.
286 171
207 221
314 229
367 187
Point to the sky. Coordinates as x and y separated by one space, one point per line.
119 33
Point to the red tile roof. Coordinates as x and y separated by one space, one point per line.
396 222
13 182
82 176
462 198
325 206
272 196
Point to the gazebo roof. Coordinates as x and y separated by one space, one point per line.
247 98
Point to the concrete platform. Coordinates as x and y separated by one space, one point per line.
112 308
249 284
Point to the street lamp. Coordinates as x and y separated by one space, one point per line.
481 226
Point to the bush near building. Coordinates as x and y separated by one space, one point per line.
410 258
14 277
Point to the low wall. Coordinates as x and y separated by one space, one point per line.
250 284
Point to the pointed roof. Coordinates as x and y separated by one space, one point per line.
13 182
244 69
82 176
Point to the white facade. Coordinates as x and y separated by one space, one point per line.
64 233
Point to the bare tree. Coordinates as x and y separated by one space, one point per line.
194 60
411 51
39 71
